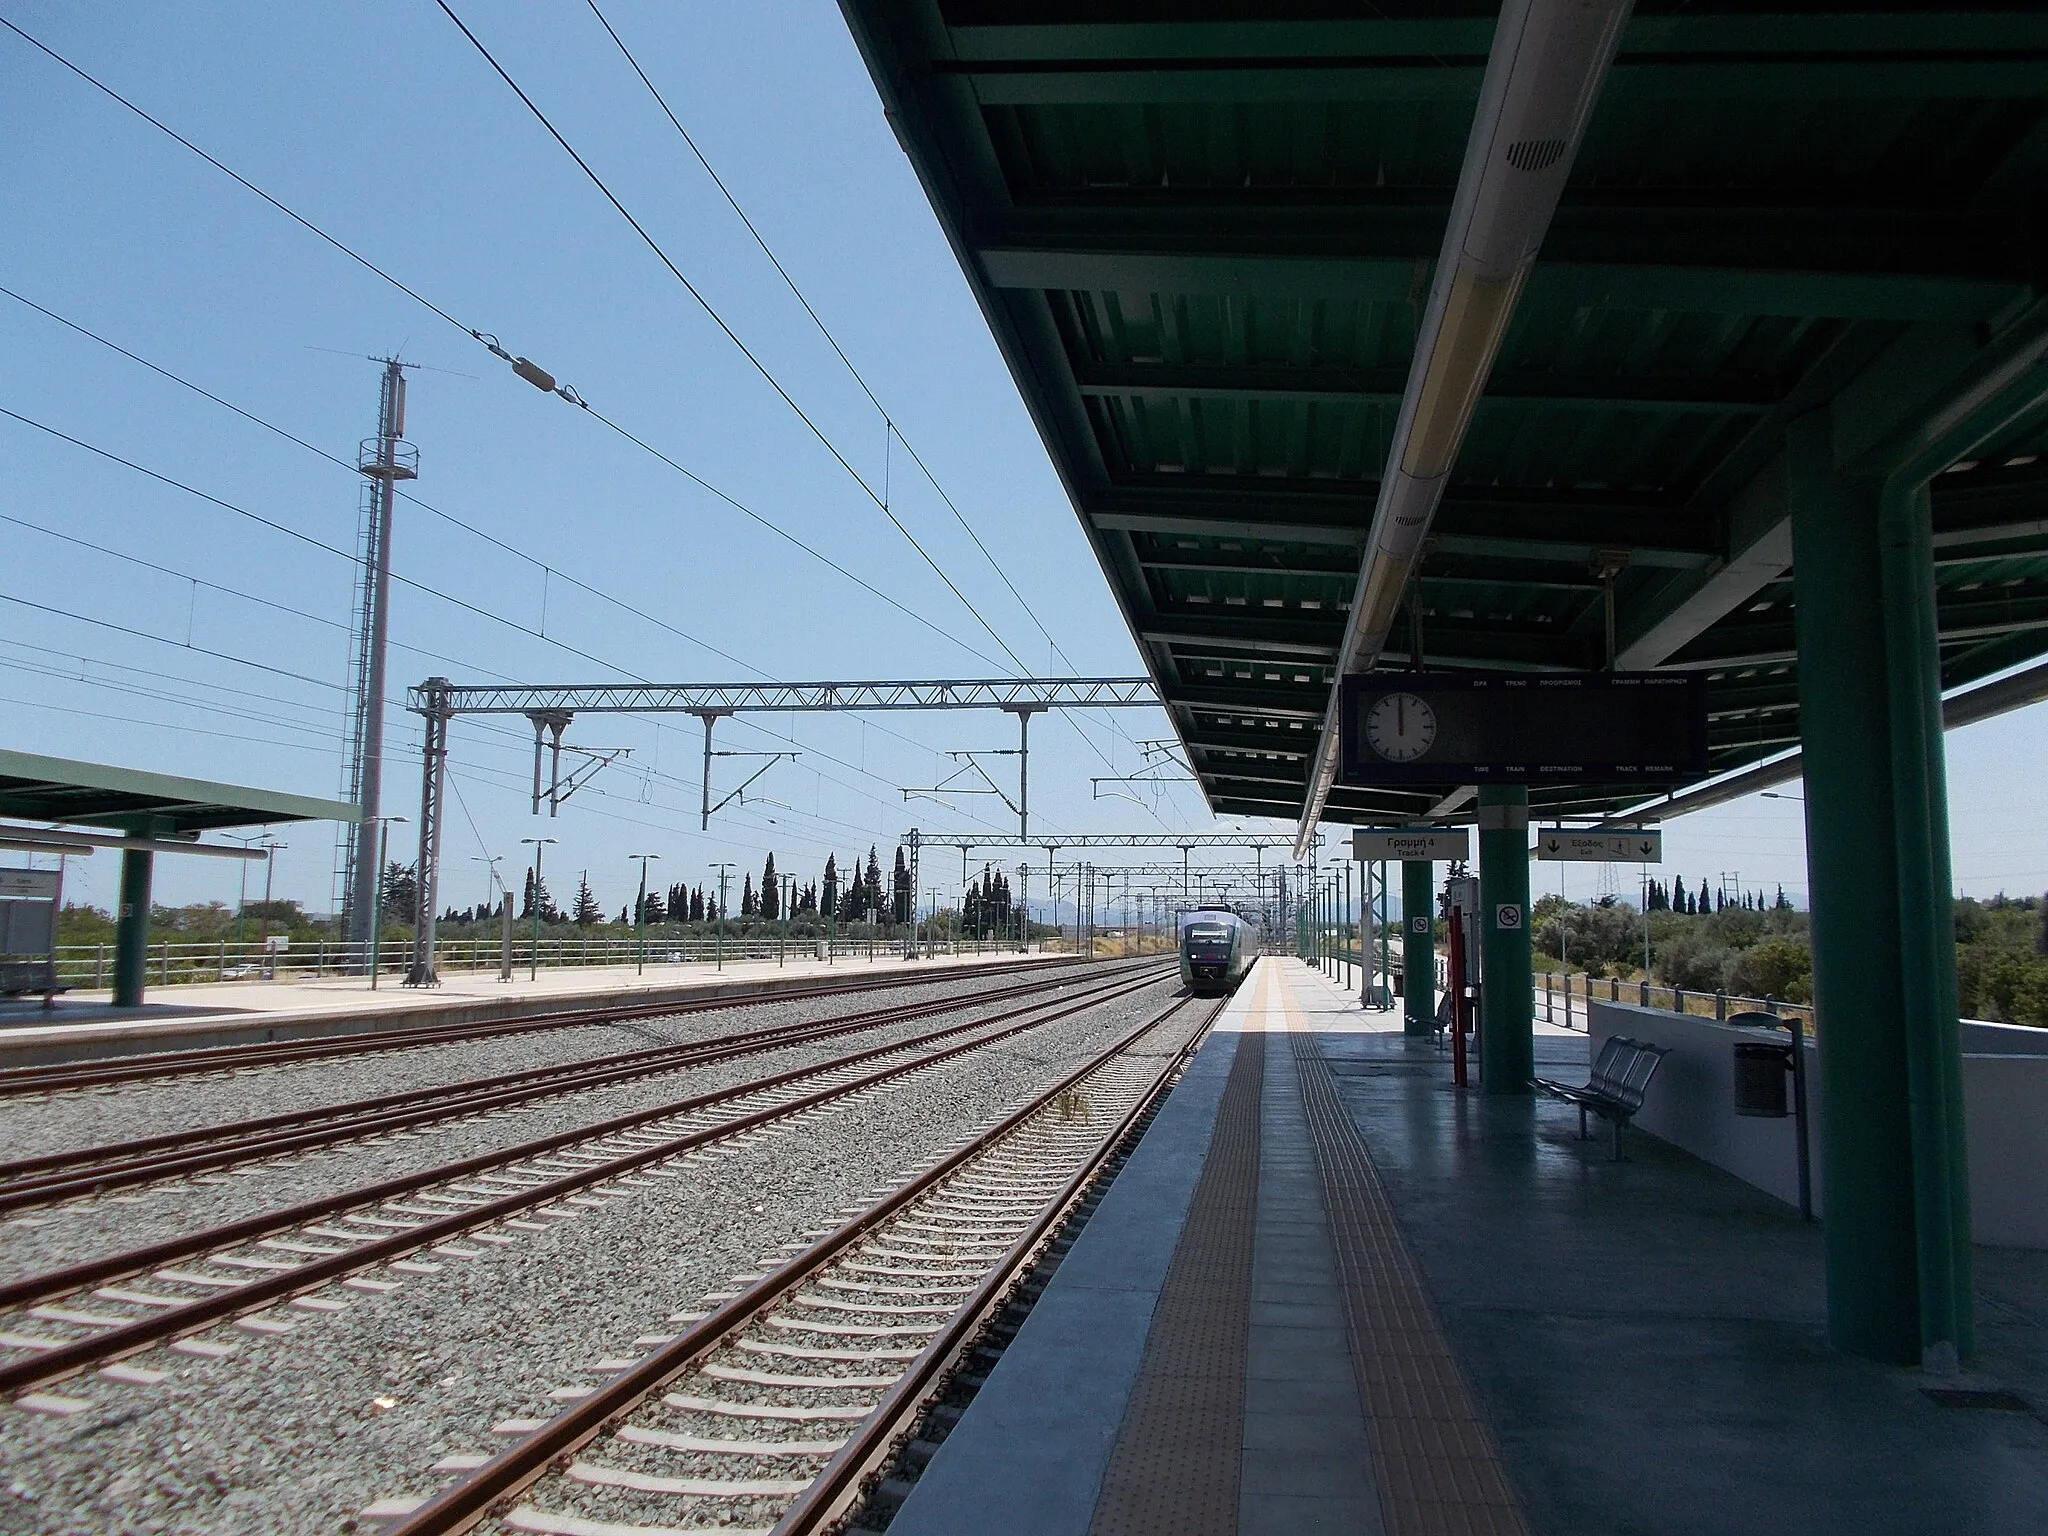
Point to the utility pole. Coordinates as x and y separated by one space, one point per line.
533 966
383 460
640 912
724 874
377 907
263 927
242 895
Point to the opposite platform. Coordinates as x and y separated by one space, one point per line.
1331 1293
211 1014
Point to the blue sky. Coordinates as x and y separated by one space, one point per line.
378 122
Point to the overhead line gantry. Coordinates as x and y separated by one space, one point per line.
550 708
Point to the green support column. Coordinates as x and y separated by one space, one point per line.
1418 947
1894 1166
131 931
1507 1024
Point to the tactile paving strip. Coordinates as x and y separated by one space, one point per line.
1174 1471
1438 1471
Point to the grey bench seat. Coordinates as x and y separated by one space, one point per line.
1621 1075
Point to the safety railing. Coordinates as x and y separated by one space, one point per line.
1567 996
184 962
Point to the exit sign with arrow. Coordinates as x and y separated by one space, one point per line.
1643 845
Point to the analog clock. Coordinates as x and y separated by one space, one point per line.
1400 727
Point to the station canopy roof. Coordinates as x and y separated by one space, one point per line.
129 800
1203 235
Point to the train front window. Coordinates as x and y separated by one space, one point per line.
1208 943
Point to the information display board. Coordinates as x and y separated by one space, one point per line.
1428 728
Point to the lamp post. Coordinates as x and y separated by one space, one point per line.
787 894
533 960
724 874
263 927
242 895
640 912
377 900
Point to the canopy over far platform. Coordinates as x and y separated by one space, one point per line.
152 813
1205 236
129 800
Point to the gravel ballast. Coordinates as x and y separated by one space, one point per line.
299 1433
43 1238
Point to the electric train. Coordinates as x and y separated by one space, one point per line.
1217 947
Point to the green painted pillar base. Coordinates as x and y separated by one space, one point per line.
1897 1229
131 931
1507 1020
1418 947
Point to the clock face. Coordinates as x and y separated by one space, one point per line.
1400 727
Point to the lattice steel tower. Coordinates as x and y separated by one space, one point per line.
384 460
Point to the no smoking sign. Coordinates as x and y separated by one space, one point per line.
1507 915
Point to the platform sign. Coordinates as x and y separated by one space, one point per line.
1439 728
28 885
1642 845
1371 845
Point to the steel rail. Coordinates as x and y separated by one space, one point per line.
57 1077
839 1484
54 1176
473 1499
79 1354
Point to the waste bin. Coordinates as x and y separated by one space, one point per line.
1761 1068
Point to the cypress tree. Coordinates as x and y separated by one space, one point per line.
829 899
749 906
771 891
873 903
903 900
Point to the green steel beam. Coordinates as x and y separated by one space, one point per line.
1456 36
1418 947
1507 1022
1897 1268
1166 265
1636 78
1267 702
131 927
1383 386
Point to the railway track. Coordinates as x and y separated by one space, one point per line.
96 1314
64 1076
771 1412
90 1171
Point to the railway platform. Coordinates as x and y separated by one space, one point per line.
87 1025
1329 1292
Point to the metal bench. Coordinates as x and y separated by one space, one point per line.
19 977
1621 1074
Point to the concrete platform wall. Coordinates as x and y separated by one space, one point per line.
1691 1104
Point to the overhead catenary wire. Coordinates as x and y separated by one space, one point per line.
301 537
895 432
730 334
824 330
445 315
306 538
482 339
451 518
445 516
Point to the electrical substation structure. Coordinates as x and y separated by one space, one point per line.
551 709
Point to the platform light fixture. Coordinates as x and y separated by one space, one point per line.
1543 75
